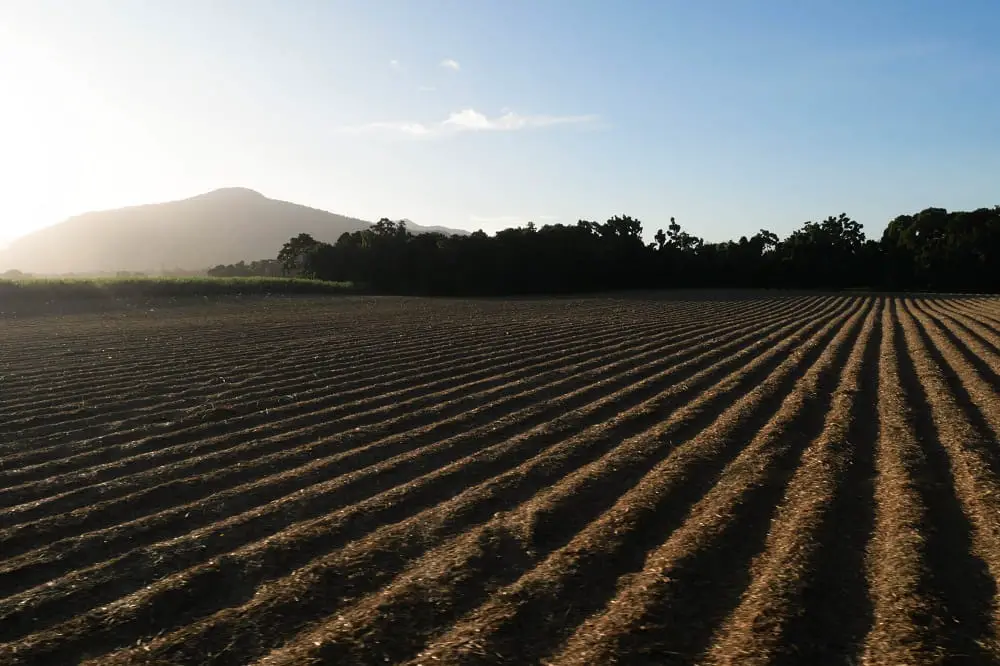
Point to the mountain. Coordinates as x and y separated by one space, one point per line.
220 227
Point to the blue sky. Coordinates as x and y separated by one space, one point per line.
731 115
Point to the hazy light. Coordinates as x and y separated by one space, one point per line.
61 142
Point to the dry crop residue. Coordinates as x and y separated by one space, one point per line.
680 478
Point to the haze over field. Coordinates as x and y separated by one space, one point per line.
220 227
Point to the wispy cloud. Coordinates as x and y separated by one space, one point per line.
395 65
470 120
453 65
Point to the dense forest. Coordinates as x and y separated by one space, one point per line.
934 250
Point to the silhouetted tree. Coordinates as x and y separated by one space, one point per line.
931 250
264 268
295 254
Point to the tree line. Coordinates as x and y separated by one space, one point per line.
934 250
260 268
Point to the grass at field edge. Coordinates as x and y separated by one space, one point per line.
48 290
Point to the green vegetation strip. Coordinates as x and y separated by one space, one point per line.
49 290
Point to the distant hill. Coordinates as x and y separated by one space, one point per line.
220 227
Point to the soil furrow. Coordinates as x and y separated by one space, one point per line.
980 311
964 340
600 412
961 458
808 599
751 477
206 358
15 575
427 360
698 573
672 472
371 398
391 542
304 404
272 463
106 440
392 349
201 345
917 557
986 334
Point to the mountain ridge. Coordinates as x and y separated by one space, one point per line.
222 226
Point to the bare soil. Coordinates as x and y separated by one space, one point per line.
669 478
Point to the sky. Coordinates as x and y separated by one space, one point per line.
730 115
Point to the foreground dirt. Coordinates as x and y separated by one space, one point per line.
670 479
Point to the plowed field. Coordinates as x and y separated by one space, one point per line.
721 479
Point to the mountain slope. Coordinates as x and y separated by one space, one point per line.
220 227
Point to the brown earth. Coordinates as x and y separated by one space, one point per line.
713 478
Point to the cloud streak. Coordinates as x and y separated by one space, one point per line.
453 65
470 120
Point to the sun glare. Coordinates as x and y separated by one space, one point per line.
33 131
62 144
